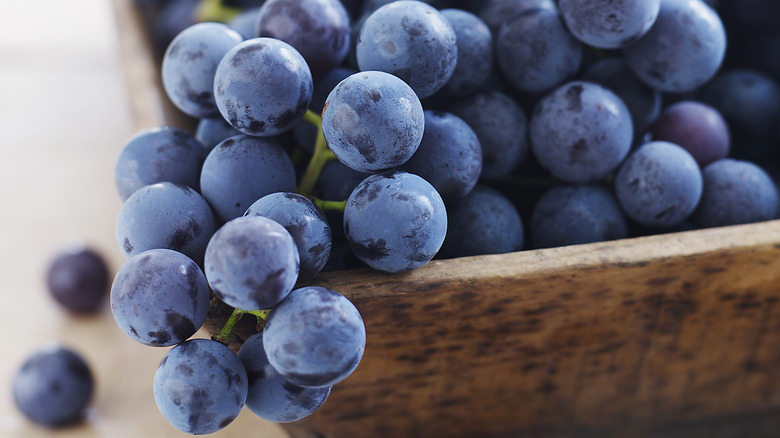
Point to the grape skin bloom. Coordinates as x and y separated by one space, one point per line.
373 121
395 221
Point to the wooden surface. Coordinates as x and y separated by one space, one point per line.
673 335
65 116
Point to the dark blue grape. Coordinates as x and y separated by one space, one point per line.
697 127
243 169
263 86
337 181
643 102
271 396
200 386
576 214
315 337
156 155
475 53
373 121
78 279
535 52
169 21
395 221
189 65
305 222
54 386
318 29
682 51
251 263
736 192
501 127
212 132
449 156
245 23
483 222
659 184
411 40
324 84
165 215
160 298
609 24
581 132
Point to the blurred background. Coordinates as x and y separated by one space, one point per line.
64 117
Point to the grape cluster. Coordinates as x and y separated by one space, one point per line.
388 133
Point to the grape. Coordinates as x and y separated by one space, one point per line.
318 29
697 127
212 132
245 23
200 386
270 395
78 279
373 121
395 221
159 154
305 222
337 181
736 192
411 40
644 103
682 51
449 156
535 51
748 99
243 169
609 24
581 132
482 222
165 215
325 84
495 12
54 386
576 214
659 184
172 19
160 297
475 53
315 337
263 86
501 127
251 263
189 65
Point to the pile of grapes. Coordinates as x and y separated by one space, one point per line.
333 135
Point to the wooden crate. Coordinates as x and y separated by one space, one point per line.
674 335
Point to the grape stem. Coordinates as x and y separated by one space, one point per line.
224 333
329 205
214 10
322 155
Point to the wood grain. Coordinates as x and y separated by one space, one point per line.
638 337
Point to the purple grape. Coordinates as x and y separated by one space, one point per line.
659 184
495 12
475 53
160 298
697 127
736 192
270 395
190 63
315 337
53 387
78 279
200 386
609 24
252 263
411 40
580 132
211 132
318 29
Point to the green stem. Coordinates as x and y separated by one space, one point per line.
329 205
224 333
214 10
322 155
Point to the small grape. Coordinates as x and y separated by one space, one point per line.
78 279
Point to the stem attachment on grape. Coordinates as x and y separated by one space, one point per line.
322 155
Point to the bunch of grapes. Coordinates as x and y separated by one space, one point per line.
385 134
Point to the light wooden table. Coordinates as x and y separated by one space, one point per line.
64 117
